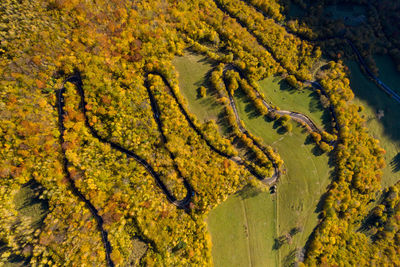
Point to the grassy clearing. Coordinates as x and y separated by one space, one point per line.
32 211
299 192
193 70
28 204
305 101
301 188
242 230
387 128
243 227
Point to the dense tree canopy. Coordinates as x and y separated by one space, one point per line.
122 52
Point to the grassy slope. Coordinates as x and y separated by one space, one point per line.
28 204
192 71
299 190
279 93
307 176
233 245
387 129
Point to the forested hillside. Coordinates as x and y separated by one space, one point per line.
103 163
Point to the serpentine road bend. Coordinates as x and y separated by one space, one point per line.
296 116
184 203
237 160
315 84
241 127
276 174
89 205
130 154
156 114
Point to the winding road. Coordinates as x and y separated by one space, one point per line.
75 190
183 204
361 60
380 84
241 127
294 115
236 160
76 80
156 114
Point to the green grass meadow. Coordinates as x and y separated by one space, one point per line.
306 101
243 229
300 189
193 70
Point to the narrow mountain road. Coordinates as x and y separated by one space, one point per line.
66 163
237 160
156 113
76 80
296 116
183 204
361 60
241 127
380 84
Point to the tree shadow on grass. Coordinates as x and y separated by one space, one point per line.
327 120
223 124
317 151
268 119
276 124
331 161
309 140
321 202
248 192
366 90
209 100
281 130
284 86
395 163
207 60
249 108
210 90
315 105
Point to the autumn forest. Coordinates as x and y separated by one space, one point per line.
109 158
